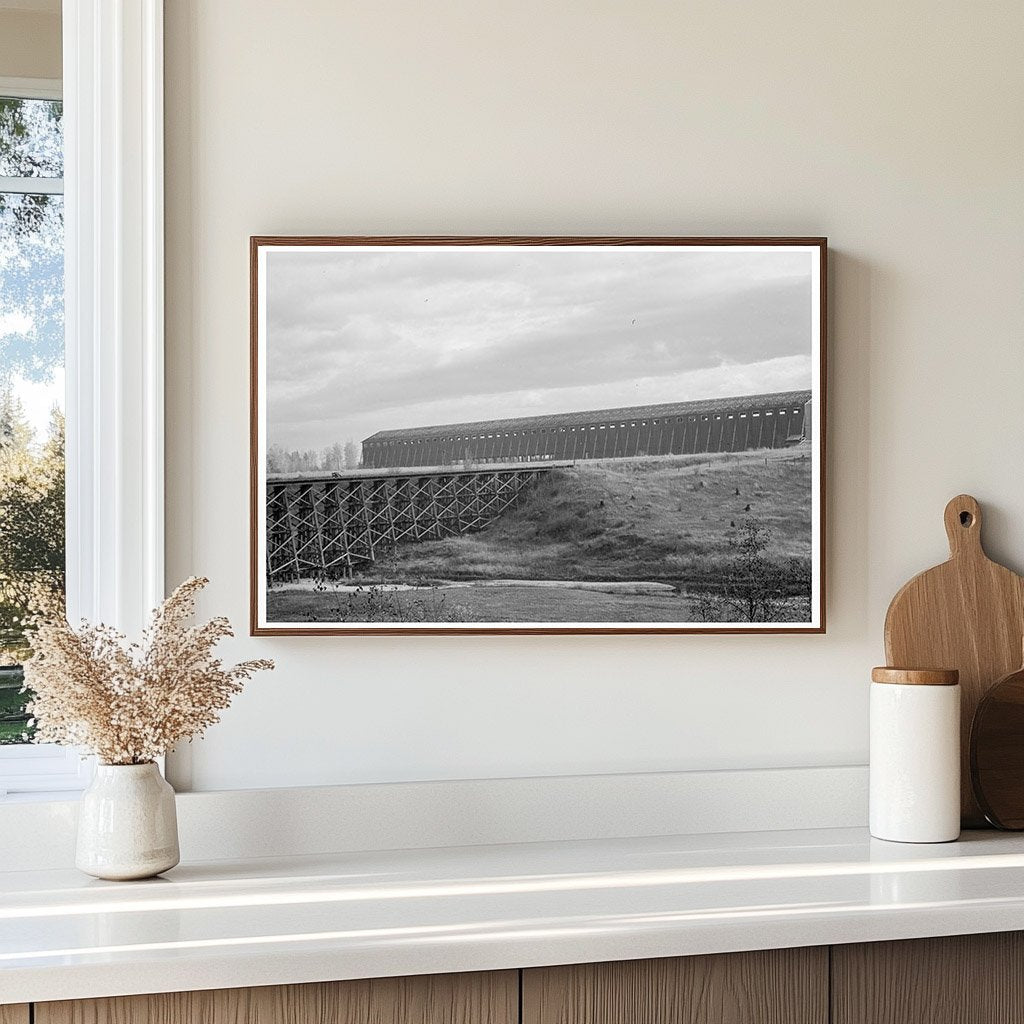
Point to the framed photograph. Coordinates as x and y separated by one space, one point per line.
537 435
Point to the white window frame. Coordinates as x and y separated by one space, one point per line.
113 176
31 89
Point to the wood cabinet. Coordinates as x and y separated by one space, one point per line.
972 979
962 979
778 986
491 998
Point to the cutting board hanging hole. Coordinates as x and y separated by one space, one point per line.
963 525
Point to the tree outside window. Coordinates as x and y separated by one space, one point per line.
31 385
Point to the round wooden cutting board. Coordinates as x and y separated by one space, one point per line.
968 614
997 752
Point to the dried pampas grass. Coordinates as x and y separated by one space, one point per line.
129 703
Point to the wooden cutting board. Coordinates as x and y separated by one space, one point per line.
997 752
967 614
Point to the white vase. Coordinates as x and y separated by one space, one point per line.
127 825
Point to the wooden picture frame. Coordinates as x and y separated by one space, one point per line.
426 494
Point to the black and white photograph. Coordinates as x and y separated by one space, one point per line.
537 435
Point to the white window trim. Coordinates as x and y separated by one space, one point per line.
32 186
42 768
113 166
32 88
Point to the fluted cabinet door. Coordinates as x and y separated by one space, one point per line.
778 986
491 998
961 979
14 1014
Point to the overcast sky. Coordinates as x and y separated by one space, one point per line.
361 341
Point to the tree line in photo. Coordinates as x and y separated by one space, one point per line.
335 458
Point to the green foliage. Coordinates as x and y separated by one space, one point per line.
31 348
31 535
31 242
13 719
31 498
31 143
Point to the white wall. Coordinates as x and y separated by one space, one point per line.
895 129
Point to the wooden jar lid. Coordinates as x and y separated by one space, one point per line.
916 676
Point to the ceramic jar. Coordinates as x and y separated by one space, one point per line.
127 824
915 755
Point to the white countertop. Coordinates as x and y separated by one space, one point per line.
298 919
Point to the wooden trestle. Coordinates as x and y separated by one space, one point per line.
324 526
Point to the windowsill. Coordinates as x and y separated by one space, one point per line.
52 796
31 773
356 915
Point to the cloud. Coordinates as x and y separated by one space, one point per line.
360 341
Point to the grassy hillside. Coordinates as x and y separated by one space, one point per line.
667 519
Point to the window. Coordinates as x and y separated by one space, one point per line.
114 315
32 549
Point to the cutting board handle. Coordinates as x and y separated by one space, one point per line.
963 526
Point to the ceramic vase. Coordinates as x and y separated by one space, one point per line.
127 825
